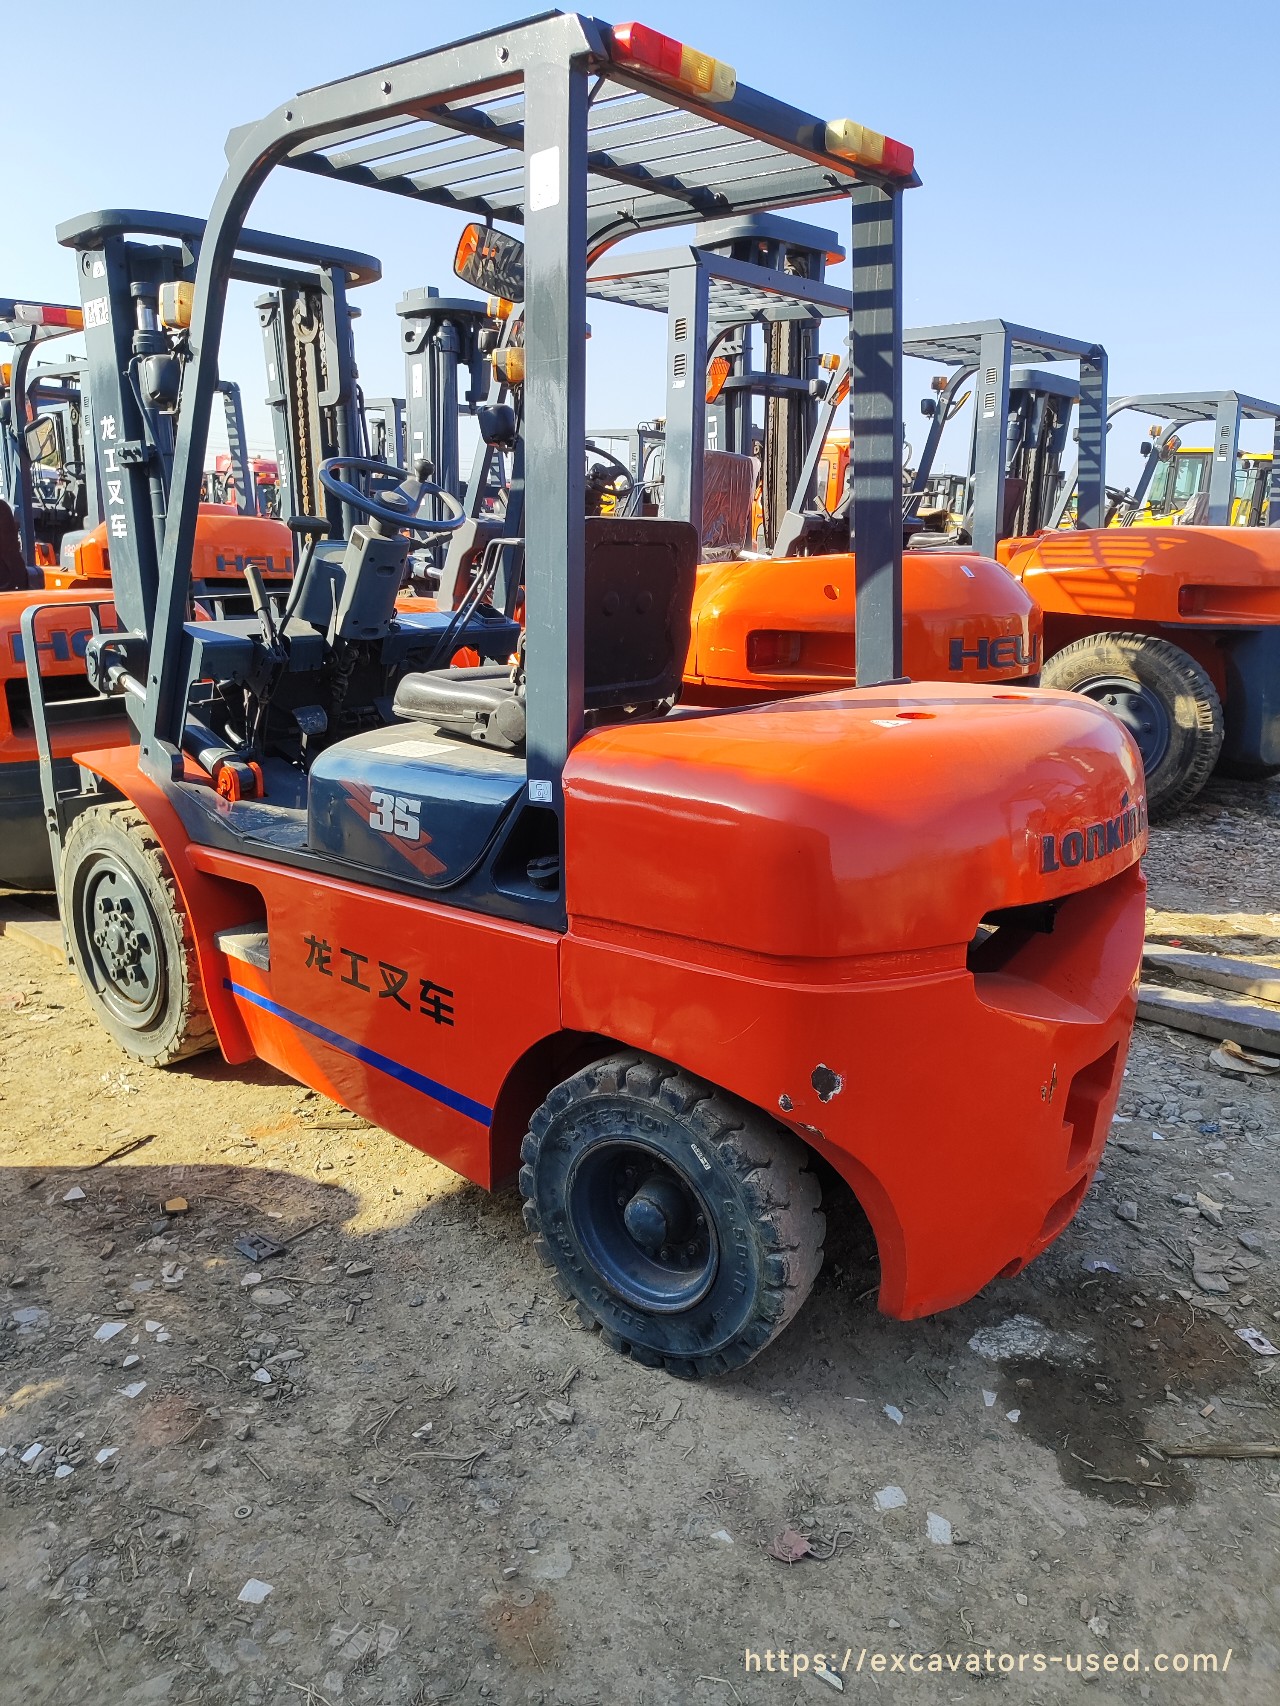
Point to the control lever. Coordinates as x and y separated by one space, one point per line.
262 605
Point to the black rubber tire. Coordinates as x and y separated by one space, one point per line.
1185 693
117 841
753 1179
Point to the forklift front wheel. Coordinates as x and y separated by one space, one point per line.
130 937
1162 696
683 1223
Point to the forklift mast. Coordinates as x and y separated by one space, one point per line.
789 377
137 365
240 469
312 389
384 429
739 277
442 342
1021 420
1041 404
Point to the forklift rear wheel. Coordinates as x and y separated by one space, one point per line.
683 1223
130 937
1163 697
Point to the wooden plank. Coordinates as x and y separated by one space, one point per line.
1250 926
33 927
1247 977
1243 1022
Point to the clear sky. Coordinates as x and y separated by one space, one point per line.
1102 168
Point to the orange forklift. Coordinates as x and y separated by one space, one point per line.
736 949
123 405
1176 630
773 610
767 620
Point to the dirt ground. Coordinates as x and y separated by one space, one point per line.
455 1494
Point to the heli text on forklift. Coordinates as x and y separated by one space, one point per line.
674 966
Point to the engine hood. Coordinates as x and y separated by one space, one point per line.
874 821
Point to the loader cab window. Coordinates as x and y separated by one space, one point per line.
1248 492
1177 483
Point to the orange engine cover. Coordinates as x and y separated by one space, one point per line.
225 542
763 626
1212 575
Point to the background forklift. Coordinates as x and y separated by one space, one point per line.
47 491
781 622
43 488
128 389
1215 485
1175 630
664 963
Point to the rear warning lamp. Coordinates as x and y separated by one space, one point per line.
771 650
508 364
849 140
655 55
717 373
46 314
174 309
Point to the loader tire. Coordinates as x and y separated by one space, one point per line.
130 937
683 1223
1162 696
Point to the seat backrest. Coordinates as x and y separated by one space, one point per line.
640 577
318 586
728 485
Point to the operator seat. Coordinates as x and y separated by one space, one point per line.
728 487
639 582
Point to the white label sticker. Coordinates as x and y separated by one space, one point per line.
544 179
414 748
97 311
541 792
417 379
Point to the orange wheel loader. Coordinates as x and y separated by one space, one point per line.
690 974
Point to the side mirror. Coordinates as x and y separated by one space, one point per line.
928 407
42 442
492 261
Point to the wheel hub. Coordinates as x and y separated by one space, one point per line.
643 1226
657 1214
121 937
1138 709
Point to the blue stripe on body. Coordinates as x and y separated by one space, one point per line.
370 1057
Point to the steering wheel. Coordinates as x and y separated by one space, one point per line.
619 470
401 495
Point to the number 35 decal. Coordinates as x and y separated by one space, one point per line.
393 814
